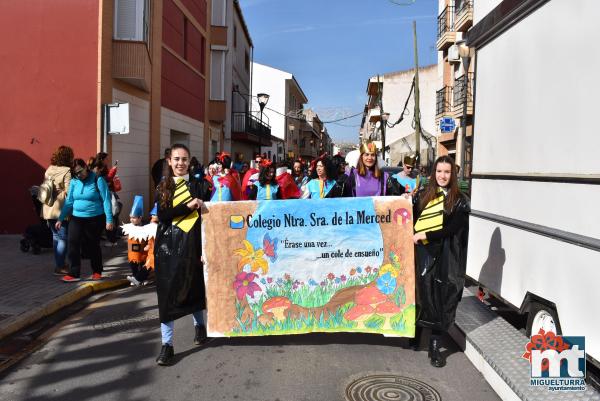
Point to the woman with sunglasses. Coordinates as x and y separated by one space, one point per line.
366 179
402 182
89 208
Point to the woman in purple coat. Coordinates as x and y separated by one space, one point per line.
366 179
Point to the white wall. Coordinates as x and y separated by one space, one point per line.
536 88
270 80
396 87
133 153
482 7
171 120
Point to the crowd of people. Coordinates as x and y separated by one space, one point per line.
83 209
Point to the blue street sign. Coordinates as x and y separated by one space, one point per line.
447 124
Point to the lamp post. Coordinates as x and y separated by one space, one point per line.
263 99
465 55
384 119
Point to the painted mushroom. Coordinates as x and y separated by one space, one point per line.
358 314
387 310
369 296
278 306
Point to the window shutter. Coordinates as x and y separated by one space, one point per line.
129 19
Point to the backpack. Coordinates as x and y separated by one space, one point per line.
47 191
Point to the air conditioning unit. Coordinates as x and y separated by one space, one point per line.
453 54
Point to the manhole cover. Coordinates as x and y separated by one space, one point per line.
129 323
390 388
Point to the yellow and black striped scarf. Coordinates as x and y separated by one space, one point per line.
432 217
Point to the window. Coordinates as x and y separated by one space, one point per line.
235 36
247 62
203 56
303 142
219 12
180 137
132 20
186 37
217 75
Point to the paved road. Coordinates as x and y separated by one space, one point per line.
107 352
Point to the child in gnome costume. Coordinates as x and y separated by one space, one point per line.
150 230
136 242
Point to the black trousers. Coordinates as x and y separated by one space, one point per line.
139 271
85 232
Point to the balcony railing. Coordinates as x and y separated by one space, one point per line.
445 21
463 91
443 100
246 123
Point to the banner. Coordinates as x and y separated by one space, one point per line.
309 265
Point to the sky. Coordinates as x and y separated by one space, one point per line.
333 47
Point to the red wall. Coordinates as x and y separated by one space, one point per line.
183 90
48 79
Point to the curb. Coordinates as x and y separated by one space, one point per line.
83 290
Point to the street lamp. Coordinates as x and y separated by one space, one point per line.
384 119
465 54
263 99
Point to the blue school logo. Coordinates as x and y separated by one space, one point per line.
236 222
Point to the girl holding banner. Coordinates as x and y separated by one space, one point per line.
441 215
323 183
177 250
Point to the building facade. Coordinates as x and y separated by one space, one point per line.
284 111
389 93
454 97
150 54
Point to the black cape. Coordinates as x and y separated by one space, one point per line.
179 273
440 267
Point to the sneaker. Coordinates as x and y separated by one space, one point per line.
70 279
61 271
165 358
95 277
133 280
200 337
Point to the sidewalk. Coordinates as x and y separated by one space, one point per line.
29 291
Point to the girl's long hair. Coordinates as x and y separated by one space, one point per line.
362 169
330 171
166 188
262 175
430 191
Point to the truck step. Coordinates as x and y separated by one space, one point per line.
495 348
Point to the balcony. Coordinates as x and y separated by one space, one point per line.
462 93
443 101
446 34
247 128
131 63
463 19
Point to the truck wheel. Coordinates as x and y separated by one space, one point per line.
544 317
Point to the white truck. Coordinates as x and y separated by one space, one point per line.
534 238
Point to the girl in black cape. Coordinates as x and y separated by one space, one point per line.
177 250
441 216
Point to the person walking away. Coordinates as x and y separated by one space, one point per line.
88 205
100 167
441 216
177 251
59 172
159 166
